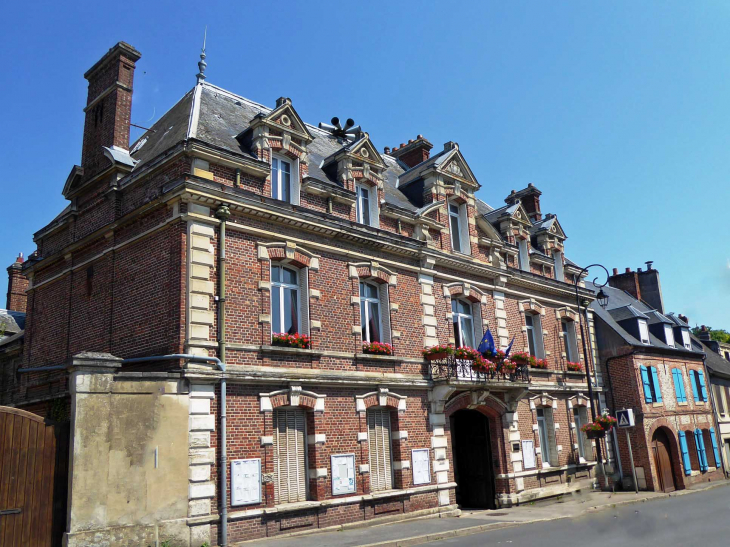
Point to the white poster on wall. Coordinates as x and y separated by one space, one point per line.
245 482
528 454
343 474
421 458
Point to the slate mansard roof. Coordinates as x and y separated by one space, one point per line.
622 306
218 118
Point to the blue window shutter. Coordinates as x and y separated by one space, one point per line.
657 387
714 448
702 455
693 379
703 388
677 388
681 385
685 453
647 388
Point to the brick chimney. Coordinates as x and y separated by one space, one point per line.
108 106
627 281
530 199
704 334
415 152
17 286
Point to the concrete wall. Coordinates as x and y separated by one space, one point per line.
129 456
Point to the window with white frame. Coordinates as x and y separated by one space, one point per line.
463 319
534 335
546 434
374 312
284 179
285 297
580 417
366 205
523 255
459 228
643 331
379 443
570 340
669 335
290 455
559 271
686 342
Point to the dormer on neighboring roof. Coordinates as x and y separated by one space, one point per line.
681 330
530 198
441 176
357 161
633 321
279 131
661 327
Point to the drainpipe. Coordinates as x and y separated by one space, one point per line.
223 470
42 369
718 437
223 213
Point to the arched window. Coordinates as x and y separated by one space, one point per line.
285 309
463 323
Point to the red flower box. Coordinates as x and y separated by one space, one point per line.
286 340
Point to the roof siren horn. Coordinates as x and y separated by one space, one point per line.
349 131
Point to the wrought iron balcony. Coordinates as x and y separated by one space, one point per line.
451 368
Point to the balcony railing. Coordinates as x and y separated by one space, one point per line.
451 368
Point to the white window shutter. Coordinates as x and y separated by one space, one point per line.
304 301
476 312
385 335
464 229
381 474
553 447
539 338
290 483
374 207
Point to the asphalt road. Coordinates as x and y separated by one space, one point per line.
701 520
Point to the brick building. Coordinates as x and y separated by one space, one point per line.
718 366
652 364
322 235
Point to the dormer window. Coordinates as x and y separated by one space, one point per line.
559 271
524 255
668 335
643 331
686 342
366 206
284 179
459 227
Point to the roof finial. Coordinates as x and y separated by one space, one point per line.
202 64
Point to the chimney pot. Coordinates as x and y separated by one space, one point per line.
387 150
638 270
411 141
415 152
402 144
615 271
420 136
628 270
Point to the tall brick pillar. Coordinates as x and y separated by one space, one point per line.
17 286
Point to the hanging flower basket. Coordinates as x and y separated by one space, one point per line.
286 340
607 422
574 367
594 430
377 348
438 352
595 434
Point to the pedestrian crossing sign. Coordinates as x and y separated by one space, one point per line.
625 417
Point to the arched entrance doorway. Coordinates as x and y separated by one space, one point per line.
473 468
663 460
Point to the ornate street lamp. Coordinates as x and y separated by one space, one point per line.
602 298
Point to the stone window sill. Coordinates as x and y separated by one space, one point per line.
290 351
374 357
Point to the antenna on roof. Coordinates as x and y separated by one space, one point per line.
202 64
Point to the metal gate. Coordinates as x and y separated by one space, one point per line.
33 476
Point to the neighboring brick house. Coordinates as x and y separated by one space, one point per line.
652 365
718 365
328 238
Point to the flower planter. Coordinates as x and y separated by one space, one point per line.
436 356
594 434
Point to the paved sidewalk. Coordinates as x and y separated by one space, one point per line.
429 529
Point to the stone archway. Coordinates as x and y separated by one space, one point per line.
672 446
473 465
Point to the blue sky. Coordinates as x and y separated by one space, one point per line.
619 112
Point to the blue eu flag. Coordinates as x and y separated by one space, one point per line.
487 343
